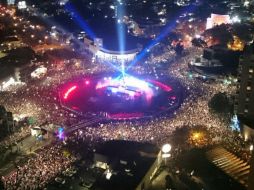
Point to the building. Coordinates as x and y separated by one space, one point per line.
251 175
247 3
62 2
116 56
126 165
217 19
216 60
22 5
6 122
96 49
244 104
182 3
10 2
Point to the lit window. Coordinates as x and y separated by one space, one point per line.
250 70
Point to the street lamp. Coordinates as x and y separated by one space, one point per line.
108 174
251 147
166 148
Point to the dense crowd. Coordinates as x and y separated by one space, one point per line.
41 169
39 99
41 102
237 146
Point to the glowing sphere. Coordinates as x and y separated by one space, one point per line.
166 148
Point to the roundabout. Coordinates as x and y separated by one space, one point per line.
117 96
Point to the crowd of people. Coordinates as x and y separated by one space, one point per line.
39 99
235 143
194 111
40 170
41 102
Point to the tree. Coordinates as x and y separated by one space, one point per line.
219 34
179 49
243 31
220 103
198 42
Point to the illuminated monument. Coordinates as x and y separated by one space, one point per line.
113 56
105 55
216 20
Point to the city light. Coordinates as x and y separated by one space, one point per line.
246 3
235 19
84 75
251 147
196 136
108 174
236 44
60 133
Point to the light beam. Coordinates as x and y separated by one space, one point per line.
167 30
79 20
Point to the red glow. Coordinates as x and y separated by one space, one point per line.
75 108
66 95
161 85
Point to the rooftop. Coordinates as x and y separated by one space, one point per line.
129 161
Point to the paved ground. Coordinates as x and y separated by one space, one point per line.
159 182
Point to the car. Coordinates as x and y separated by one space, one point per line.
86 184
60 180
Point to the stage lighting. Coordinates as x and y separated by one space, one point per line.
66 95
79 20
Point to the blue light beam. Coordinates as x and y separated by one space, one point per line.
79 20
120 26
167 30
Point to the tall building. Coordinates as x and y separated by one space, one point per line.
10 2
244 105
247 3
251 175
